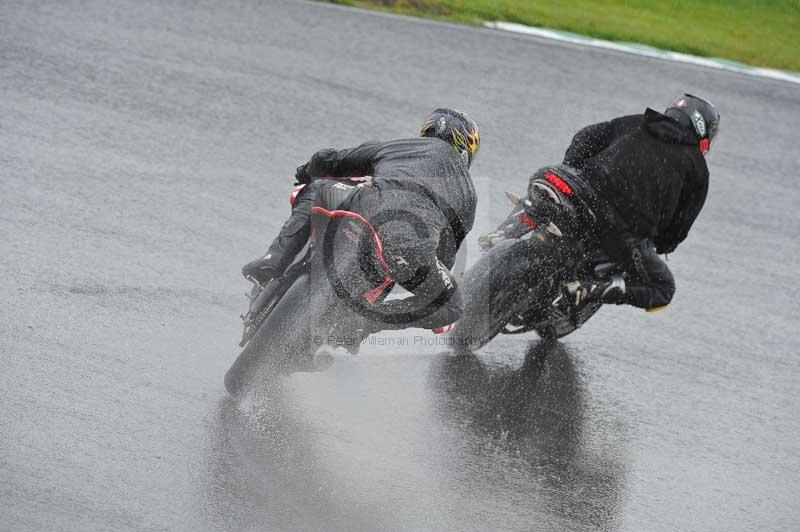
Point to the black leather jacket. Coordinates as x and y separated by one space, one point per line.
423 176
650 168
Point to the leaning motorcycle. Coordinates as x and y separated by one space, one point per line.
321 302
528 274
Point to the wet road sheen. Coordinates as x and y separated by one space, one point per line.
146 152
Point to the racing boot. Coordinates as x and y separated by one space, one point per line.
262 269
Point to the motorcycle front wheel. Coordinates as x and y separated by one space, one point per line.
279 343
507 280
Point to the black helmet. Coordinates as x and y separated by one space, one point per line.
697 114
455 128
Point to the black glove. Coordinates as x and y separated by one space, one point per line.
262 269
301 175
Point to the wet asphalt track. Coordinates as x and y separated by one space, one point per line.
145 154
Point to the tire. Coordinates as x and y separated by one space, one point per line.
278 344
505 279
548 333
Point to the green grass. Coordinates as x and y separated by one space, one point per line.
757 32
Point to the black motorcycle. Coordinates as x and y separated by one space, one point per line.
320 303
531 267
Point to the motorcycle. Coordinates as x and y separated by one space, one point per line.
528 276
321 302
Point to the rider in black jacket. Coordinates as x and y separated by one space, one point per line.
650 175
421 200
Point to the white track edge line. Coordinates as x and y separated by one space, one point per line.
633 48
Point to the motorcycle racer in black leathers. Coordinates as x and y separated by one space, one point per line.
419 197
650 177
646 179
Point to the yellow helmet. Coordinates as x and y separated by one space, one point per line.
455 128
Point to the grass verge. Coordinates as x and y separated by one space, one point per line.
756 32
